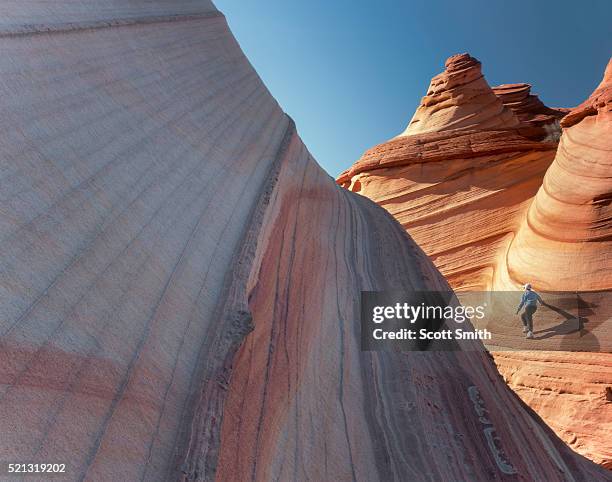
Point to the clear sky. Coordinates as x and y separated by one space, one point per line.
352 72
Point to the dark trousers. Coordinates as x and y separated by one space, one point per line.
527 316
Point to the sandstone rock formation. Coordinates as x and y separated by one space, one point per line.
157 206
460 176
568 227
458 99
570 391
462 188
527 107
565 243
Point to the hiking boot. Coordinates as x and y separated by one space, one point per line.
529 334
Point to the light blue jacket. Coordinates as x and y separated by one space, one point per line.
529 298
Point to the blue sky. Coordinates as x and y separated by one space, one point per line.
352 72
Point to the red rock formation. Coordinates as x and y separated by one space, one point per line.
528 108
305 404
570 391
565 244
158 206
465 160
460 98
462 191
598 104
568 227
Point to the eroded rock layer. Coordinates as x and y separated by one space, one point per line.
306 404
466 195
157 206
565 243
460 98
568 228
527 107
129 164
570 391
459 189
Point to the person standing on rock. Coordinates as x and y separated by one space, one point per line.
530 300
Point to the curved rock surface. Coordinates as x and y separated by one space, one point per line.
463 195
460 98
157 207
465 161
565 243
40 15
568 228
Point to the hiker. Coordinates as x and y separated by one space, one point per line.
530 299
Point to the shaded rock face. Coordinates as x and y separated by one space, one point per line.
28 15
468 198
179 278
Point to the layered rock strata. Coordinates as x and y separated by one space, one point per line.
458 99
465 192
157 207
570 391
565 243
527 107
568 227
461 175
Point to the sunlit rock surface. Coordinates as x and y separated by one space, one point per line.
460 98
570 391
466 195
461 176
157 207
564 243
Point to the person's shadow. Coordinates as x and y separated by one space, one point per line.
572 323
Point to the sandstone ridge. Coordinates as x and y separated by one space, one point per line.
496 205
